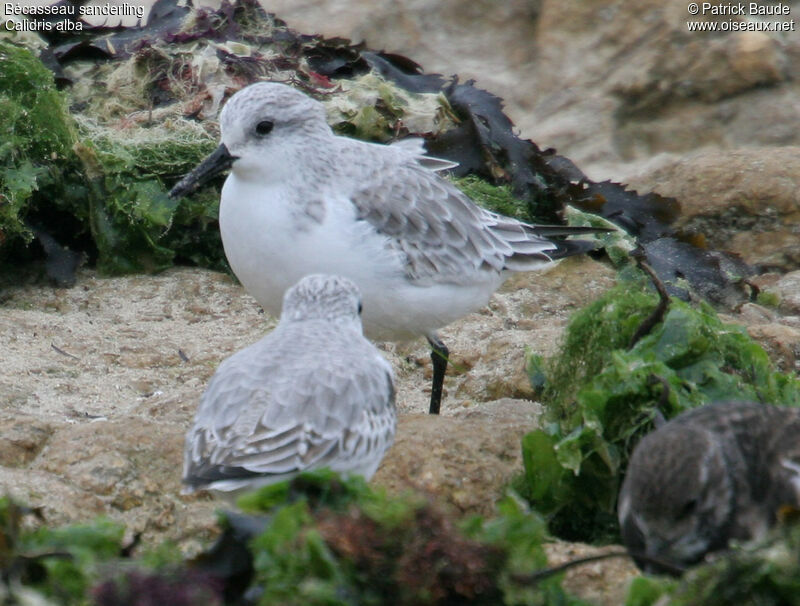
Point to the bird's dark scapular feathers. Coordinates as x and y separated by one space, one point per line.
206 474
547 231
568 248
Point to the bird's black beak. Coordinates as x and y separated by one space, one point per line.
216 162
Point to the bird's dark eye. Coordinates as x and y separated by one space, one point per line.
264 127
360 308
688 509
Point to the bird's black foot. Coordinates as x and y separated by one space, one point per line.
439 355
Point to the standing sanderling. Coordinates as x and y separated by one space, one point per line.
313 393
303 200
710 475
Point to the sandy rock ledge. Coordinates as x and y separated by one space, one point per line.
101 382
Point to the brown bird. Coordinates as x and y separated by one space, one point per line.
712 474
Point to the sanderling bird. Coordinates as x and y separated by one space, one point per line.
712 474
300 200
313 393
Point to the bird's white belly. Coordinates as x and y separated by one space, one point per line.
270 249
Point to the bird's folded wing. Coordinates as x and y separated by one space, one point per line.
324 421
441 231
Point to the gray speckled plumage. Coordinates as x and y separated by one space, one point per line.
712 474
313 393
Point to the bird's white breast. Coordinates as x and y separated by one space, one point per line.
271 243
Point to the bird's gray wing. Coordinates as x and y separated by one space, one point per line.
442 233
262 419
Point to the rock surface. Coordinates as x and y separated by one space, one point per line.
787 288
609 84
102 381
601 582
465 460
745 200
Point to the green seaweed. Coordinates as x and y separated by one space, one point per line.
520 533
60 563
327 540
91 185
167 149
764 572
768 298
602 398
339 541
601 327
37 135
646 591
69 578
37 123
497 198
136 226
616 243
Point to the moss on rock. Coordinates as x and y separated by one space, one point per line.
36 138
759 572
497 198
333 541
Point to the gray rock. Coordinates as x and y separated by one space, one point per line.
23 437
788 290
745 201
465 460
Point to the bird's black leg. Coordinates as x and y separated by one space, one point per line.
439 355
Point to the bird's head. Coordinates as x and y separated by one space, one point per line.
678 497
264 129
320 296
